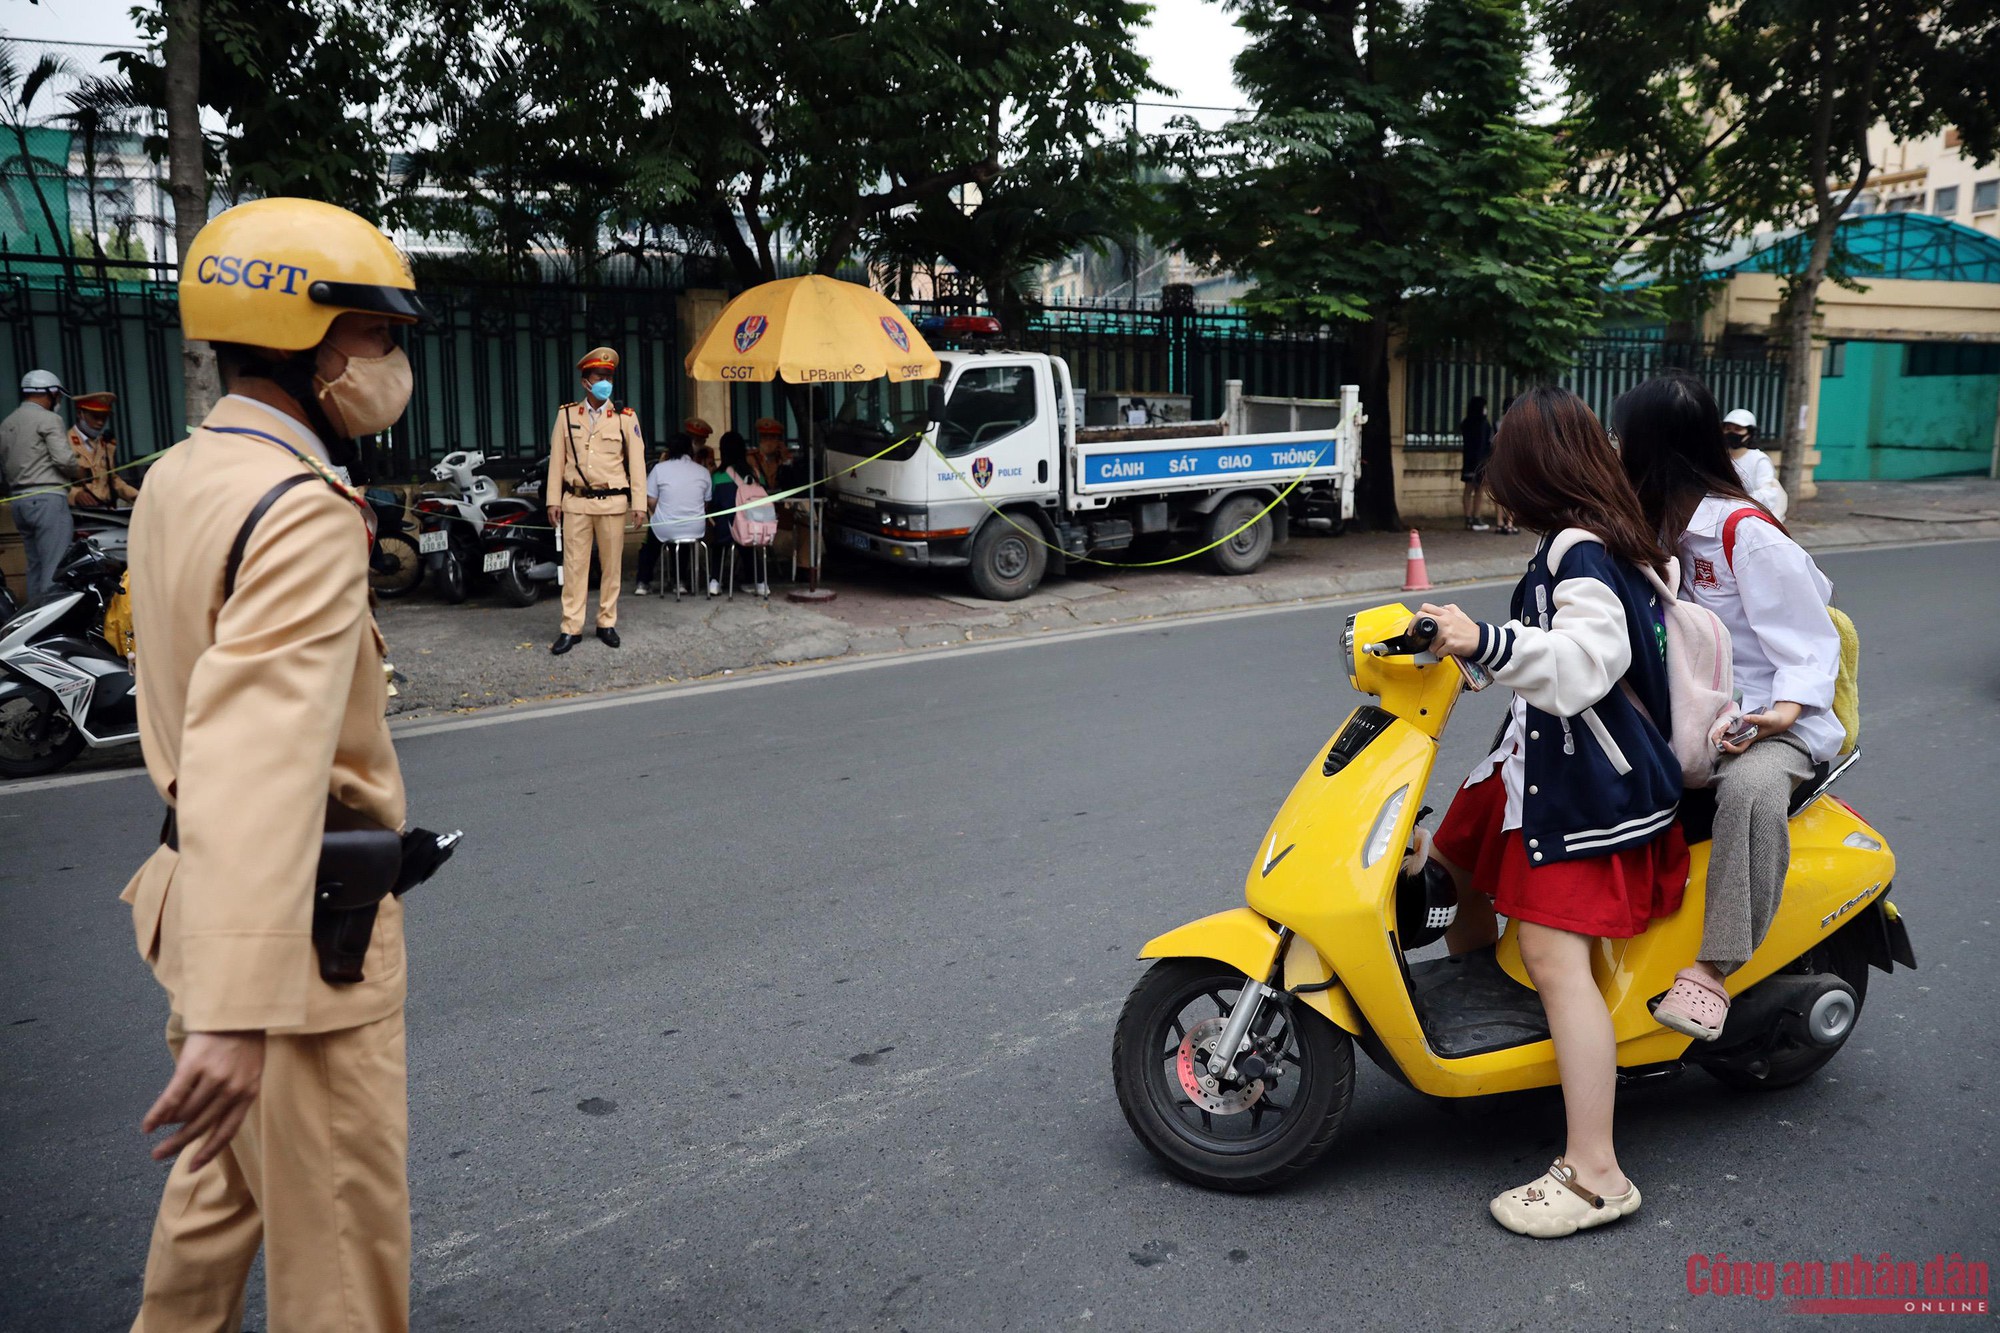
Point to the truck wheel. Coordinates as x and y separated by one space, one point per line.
1007 562
1247 549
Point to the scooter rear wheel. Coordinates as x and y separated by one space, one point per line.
1790 1063
451 579
402 567
516 588
24 754
1250 1137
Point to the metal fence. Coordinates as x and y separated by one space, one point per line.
1440 384
1175 347
490 370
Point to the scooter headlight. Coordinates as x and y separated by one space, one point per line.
1384 827
1347 649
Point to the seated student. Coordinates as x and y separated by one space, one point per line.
677 491
724 475
1738 561
1753 466
1568 826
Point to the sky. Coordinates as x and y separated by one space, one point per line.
1189 43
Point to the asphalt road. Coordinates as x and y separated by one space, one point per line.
790 1007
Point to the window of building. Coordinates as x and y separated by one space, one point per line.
1951 358
1986 196
1905 203
1833 362
1944 202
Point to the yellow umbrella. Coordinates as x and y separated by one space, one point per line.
811 330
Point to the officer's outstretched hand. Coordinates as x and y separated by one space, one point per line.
555 517
214 1084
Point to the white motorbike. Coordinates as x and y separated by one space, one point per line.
451 529
62 686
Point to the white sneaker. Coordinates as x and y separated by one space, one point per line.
638 590
763 590
714 587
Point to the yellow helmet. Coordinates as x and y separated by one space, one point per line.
276 272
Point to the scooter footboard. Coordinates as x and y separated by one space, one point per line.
1247 942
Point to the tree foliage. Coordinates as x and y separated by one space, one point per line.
1389 178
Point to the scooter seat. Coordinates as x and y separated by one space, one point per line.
1697 812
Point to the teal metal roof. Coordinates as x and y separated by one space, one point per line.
1880 245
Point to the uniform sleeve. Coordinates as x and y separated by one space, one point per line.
60 452
635 458
552 491
1779 585
1571 665
1764 487
265 705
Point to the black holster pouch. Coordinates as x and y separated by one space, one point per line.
360 863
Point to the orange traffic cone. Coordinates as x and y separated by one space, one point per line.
1416 578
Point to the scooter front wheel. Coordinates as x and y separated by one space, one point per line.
1245 1133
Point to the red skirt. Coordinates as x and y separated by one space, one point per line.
1612 896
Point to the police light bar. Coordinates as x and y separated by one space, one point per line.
960 326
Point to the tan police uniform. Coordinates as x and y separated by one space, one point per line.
226 921
101 486
597 474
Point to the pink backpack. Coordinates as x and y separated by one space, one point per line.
1701 682
756 519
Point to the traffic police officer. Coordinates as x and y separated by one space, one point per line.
596 490
259 708
36 463
97 454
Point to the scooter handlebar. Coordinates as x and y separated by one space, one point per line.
1416 637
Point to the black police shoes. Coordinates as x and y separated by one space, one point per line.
564 642
609 635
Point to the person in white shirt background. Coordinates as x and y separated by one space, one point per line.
1737 560
1760 477
677 494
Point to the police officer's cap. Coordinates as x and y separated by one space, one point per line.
100 401
598 358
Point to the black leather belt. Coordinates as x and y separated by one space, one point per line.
598 492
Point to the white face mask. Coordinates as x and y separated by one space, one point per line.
91 432
371 393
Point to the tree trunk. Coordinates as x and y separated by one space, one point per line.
187 181
1800 366
1375 491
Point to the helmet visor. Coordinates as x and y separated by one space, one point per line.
399 302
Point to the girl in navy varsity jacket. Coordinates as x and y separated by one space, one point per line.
1569 825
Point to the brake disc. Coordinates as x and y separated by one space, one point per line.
1204 1088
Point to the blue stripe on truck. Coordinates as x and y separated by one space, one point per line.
1222 461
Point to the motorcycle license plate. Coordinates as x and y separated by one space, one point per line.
430 543
496 561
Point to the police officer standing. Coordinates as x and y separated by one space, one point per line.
96 451
261 717
37 464
596 490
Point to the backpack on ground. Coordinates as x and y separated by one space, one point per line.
1847 684
755 522
1701 679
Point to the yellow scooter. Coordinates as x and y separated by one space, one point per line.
1234 1056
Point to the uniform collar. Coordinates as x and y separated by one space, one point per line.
296 428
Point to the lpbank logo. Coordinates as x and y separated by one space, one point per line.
1947 1284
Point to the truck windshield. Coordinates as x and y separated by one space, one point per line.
988 404
863 418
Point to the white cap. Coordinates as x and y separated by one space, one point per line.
1740 417
40 381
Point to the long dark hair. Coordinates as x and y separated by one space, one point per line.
1670 440
1475 410
735 453
1554 467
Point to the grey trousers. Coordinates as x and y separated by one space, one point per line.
1752 850
46 530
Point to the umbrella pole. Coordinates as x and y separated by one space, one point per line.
812 592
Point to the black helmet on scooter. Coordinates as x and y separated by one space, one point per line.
1426 905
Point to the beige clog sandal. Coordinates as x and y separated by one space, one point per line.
1556 1205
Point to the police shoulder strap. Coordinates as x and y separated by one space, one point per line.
257 512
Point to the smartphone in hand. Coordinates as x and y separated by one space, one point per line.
1741 730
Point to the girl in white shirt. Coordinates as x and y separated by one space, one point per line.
1753 466
1737 560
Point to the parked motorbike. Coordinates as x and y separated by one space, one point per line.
529 544
1234 1056
62 686
111 528
451 528
395 565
